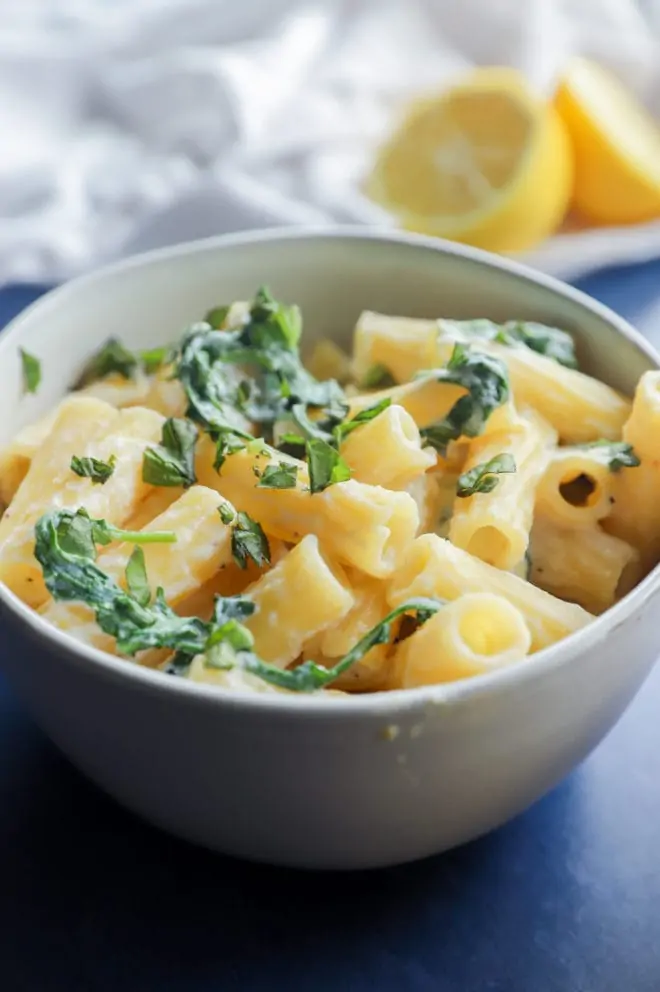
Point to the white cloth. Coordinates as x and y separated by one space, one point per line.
135 123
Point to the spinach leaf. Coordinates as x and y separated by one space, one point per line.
93 468
615 454
487 383
281 476
217 316
484 477
137 582
172 462
347 427
31 371
326 466
549 341
249 541
112 357
377 377
311 676
227 514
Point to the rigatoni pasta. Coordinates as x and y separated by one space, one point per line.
453 498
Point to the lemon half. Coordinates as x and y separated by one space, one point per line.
486 162
617 146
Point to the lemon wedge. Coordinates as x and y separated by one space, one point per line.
486 162
617 146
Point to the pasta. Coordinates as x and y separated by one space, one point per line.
587 565
475 634
495 526
443 503
580 408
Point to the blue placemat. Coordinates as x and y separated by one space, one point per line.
563 899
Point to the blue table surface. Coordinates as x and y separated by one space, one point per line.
566 898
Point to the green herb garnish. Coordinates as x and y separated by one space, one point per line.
549 341
172 462
217 316
155 358
487 383
31 371
377 377
94 468
326 466
249 541
113 357
615 454
281 476
484 477
347 427
137 582
227 514
137 624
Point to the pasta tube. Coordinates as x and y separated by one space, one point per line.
495 525
369 607
303 576
576 489
579 407
435 568
84 427
478 633
366 527
636 491
585 566
202 547
387 451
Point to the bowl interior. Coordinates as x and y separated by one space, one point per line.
332 275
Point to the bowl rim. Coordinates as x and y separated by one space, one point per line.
383 704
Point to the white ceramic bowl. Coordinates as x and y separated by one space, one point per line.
344 782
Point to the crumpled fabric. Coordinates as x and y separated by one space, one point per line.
139 123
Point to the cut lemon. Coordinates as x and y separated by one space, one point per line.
487 163
617 146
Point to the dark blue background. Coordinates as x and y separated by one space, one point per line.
564 899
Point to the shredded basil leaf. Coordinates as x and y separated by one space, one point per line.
31 371
280 476
113 357
326 466
226 512
615 454
377 377
487 382
363 417
249 541
484 477
217 316
172 462
549 341
93 468
155 358
137 582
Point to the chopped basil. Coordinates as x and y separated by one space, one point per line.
172 462
94 468
31 371
363 417
484 477
377 377
113 357
137 582
310 676
549 341
249 541
326 466
71 574
226 512
487 383
155 358
217 316
615 454
280 476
